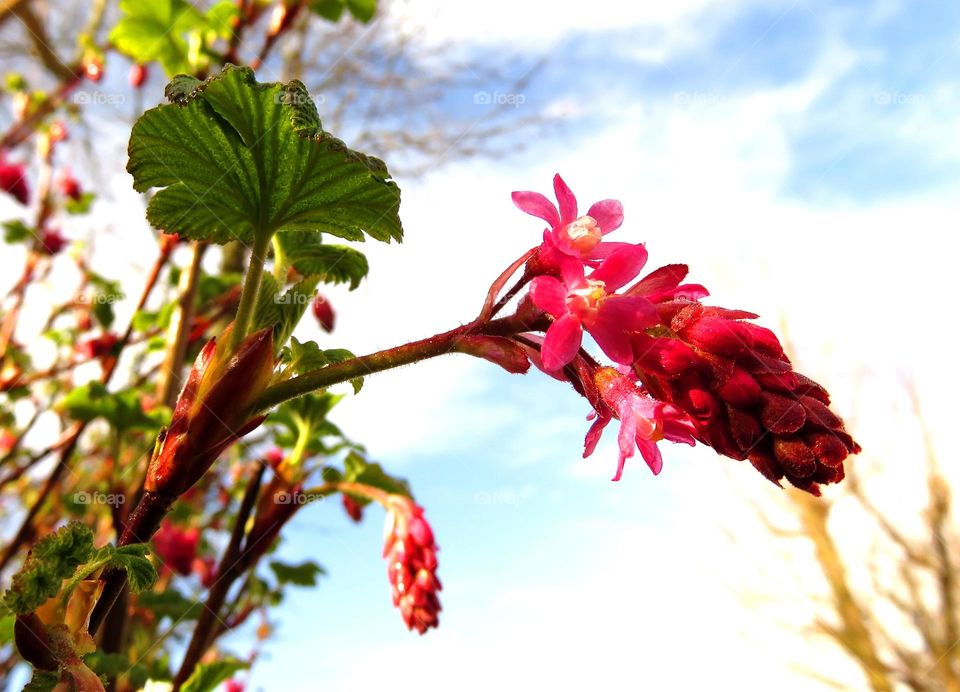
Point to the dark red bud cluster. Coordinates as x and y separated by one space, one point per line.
411 555
739 388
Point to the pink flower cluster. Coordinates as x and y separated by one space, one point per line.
705 373
411 554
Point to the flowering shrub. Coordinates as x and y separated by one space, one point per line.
248 441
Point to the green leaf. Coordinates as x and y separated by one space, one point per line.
220 16
6 628
328 9
236 158
332 264
155 30
304 574
307 356
120 409
16 231
115 665
356 469
51 560
42 681
80 206
306 416
282 310
170 603
362 10
141 574
207 676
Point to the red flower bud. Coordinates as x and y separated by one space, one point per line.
52 241
98 347
213 410
324 313
176 547
352 508
70 187
411 555
138 75
13 181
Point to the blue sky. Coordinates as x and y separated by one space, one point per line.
782 149
802 157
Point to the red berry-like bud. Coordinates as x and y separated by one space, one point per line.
98 347
70 187
13 181
352 508
274 457
324 313
176 547
138 75
52 241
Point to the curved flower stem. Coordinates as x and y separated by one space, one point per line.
406 354
514 290
488 310
251 288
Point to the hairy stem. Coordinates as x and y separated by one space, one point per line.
406 354
251 288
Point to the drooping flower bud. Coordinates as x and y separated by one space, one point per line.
213 410
138 75
52 241
70 187
98 347
324 313
352 508
411 555
13 181
176 547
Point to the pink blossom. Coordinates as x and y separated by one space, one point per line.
570 235
644 421
578 302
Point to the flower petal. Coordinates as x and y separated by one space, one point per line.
608 214
593 435
651 454
621 267
548 294
571 273
568 203
664 278
561 343
617 317
537 205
